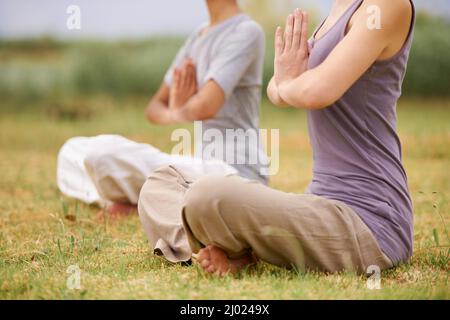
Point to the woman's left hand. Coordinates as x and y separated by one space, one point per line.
291 49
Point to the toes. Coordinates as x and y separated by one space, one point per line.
203 254
220 260
205 263
214 261
224 273
211 269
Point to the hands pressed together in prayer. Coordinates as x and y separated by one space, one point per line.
291 48
184 84
291 54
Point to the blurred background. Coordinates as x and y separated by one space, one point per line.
124 48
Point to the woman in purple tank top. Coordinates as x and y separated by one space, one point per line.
357 212
350 80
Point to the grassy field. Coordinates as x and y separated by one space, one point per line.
43 233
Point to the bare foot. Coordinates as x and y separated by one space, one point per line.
117 210
215 261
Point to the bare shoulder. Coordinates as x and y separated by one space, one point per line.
392 14
385 23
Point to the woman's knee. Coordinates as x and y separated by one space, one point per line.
159 180
209 194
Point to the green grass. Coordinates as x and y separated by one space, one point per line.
42 233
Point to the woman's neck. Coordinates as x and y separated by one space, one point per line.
338 7
221 10
342 3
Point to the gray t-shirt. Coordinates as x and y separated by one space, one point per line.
231 54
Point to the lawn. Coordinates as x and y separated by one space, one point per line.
43 233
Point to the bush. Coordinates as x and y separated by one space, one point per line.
429 65
27 77
49 72
121 69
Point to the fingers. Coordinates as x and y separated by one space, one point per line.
297 34
288 33
279 41
192 76
176 78
188 75
304 46
183 72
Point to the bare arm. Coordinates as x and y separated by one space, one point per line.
361 47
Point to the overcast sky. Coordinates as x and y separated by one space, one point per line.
123 18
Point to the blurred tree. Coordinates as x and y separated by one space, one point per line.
268 13
271 13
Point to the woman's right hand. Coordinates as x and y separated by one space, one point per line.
291 48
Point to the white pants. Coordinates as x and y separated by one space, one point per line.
111 168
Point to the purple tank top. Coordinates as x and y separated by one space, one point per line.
356 150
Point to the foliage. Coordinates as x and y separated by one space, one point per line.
53 72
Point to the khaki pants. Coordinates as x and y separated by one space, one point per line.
182 213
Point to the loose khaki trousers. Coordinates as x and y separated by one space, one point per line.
181 213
